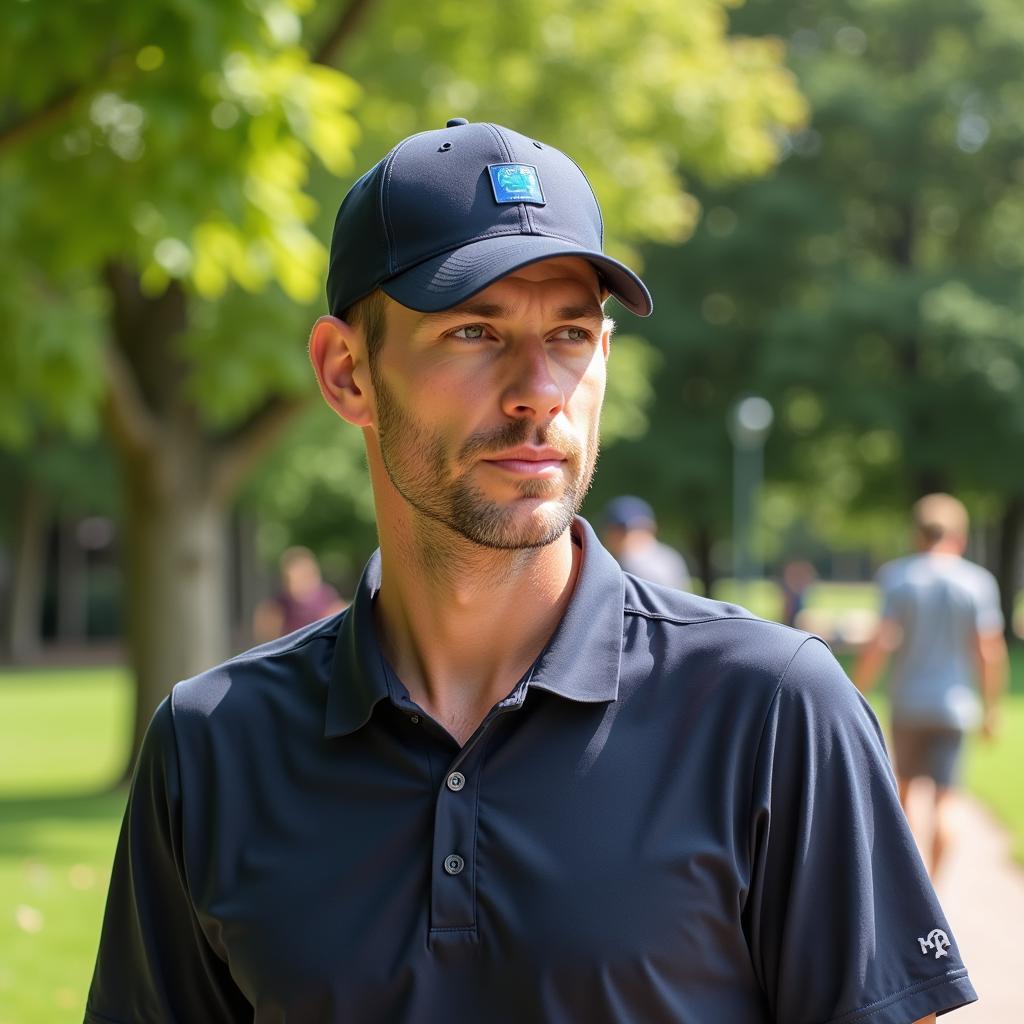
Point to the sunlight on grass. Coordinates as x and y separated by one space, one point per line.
995 771
63 737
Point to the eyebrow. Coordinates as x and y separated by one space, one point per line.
493 311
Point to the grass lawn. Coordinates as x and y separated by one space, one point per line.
63 735
995 771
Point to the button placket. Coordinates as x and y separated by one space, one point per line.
453 870
453 876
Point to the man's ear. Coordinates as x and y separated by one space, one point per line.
607 330
338 357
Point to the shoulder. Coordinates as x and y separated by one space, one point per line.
893 572
249 689
978 576
727 639
669 553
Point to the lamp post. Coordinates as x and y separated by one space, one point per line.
750 420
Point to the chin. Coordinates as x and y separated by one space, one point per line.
522 528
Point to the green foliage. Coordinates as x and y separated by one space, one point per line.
181 139
315 490
200 143
51 370
870 287
186 147
638 93
632 364
180 144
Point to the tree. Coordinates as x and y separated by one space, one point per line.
870 287
163 157
159 200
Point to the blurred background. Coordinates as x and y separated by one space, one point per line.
826 199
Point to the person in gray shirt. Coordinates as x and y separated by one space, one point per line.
631 535
942 626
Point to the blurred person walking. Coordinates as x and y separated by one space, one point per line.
303 598
797 576
631 535
942 626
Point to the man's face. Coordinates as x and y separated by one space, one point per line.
487 414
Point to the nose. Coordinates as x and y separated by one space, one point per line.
533 390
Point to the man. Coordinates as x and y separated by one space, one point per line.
942 621
510 783
631 535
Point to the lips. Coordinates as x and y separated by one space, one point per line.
528 454
528 461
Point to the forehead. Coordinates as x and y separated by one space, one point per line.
563 287
568 269
561 281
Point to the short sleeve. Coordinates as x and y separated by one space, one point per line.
843 923
154 962
989 613
892 597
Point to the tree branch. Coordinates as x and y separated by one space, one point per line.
132 426
22 127
238 450
344 28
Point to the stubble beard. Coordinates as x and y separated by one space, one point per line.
417 463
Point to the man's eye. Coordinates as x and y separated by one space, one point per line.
471 332
578 334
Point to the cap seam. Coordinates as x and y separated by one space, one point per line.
389 234
503 144
600 215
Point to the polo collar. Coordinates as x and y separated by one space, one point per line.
580 662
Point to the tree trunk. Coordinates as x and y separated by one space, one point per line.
27 573
702 542
179 481
176 570
72 584
1010 529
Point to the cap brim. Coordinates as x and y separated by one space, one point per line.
444 281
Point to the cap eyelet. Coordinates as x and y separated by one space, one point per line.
538 145
444 147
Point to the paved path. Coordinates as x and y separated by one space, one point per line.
982 893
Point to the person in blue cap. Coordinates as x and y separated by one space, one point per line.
510 783
631 535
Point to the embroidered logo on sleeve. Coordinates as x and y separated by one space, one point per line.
937 940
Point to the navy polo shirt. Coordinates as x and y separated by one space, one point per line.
680 814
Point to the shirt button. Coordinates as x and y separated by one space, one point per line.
415 719
453 863
456 781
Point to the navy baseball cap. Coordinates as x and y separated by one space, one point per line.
629 511
448 212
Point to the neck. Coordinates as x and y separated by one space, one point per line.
637 540
944 547
460 623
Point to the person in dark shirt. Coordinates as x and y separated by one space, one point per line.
511 783
303 598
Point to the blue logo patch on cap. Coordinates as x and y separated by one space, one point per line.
516 183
